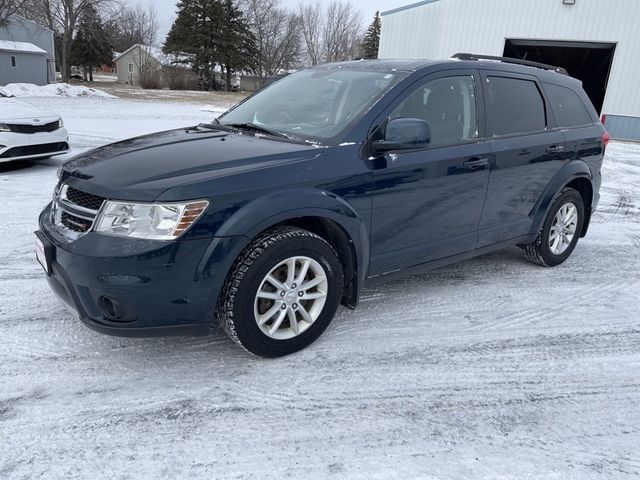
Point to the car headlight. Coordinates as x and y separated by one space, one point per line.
60 122
151 221
4 128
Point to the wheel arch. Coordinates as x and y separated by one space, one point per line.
340 240
576 174
585 188
320 212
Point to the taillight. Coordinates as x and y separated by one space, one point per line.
605 139
603 118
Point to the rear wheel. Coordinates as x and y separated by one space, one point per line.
560 232
282 292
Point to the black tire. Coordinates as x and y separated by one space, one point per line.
539 251
235 306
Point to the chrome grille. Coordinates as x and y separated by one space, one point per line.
74 211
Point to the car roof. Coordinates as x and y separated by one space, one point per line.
415 65
398 64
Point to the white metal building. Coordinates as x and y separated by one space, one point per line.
597 41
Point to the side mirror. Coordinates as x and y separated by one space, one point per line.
404 134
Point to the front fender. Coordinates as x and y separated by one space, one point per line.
278 207
572 170
275 207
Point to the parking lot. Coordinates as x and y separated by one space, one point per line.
492 368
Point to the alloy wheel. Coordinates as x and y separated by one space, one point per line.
563 228
290 297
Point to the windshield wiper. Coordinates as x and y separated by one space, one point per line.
257 128
211 126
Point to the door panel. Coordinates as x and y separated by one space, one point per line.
527 152
522 168
427 203
426 206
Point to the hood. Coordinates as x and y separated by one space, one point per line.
142 168
13 111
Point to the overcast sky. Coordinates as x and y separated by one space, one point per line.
166 9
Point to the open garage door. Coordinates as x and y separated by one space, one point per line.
589 62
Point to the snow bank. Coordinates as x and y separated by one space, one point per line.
52 90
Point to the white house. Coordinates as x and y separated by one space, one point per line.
27 52
596 41
149 67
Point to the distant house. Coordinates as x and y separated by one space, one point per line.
150 68
27 52
109 67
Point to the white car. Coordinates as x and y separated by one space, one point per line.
26 132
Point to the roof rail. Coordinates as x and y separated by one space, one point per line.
517 61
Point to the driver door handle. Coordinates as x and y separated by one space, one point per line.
555 149
474 163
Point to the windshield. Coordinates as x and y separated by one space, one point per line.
315 105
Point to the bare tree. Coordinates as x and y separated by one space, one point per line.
135 24
9 7
311 22
62 17
341 34
147 67
333 34
277 35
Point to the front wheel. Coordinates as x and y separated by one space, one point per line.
560 231
282 292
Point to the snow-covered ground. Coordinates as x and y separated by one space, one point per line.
490 369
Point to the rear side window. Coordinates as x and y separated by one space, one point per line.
566 104
516 105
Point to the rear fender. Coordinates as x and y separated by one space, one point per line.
571 171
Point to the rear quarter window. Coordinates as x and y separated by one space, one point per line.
516 106
567 106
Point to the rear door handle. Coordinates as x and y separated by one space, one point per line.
476 162
555 149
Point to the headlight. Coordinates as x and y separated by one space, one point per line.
59 172
151 221
60 123
4 128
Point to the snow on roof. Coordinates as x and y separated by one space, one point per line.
157 54
21 19
20 47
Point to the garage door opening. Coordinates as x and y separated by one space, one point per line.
586 61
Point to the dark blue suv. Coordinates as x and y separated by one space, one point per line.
284 207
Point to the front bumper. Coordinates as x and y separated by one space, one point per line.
132 287
23 146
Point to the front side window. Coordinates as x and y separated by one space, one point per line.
516 106
448 105
569 109
316 104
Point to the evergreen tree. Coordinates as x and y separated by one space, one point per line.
211 33
237 43
90 48
371 40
